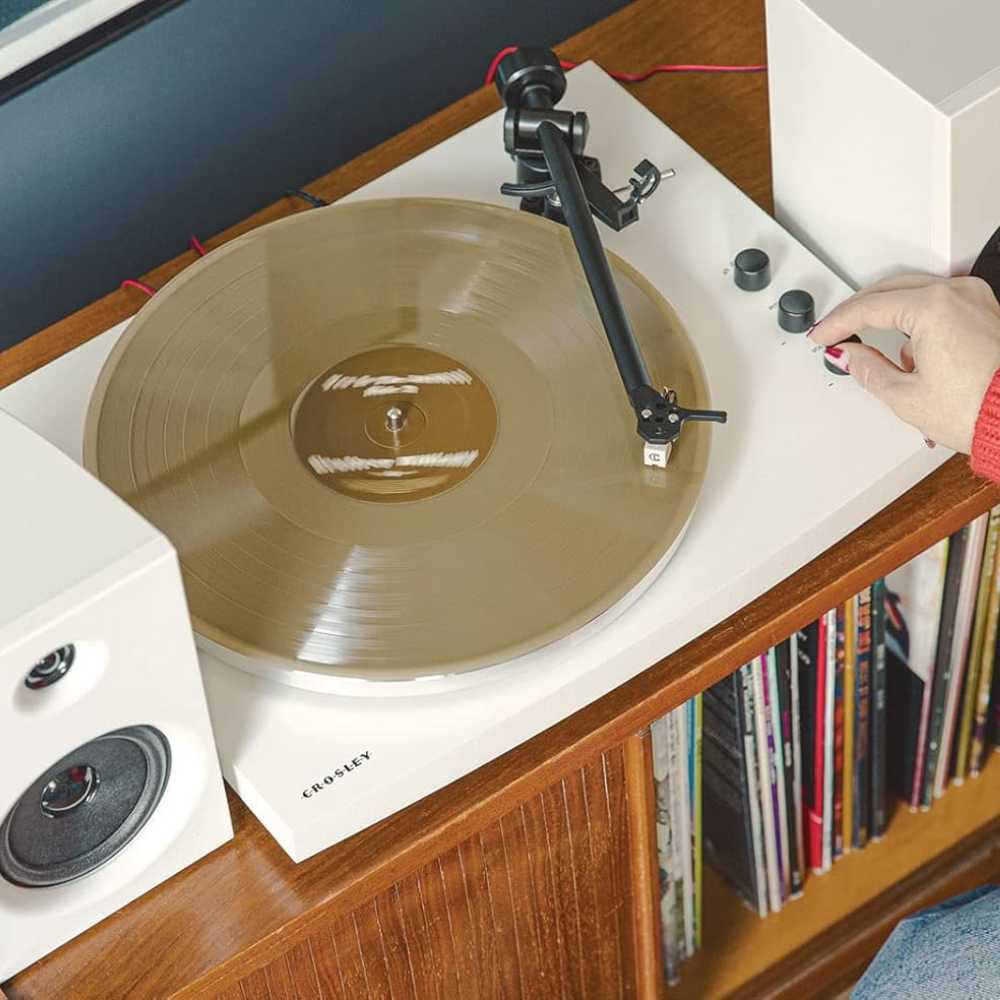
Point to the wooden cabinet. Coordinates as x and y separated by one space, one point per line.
558 899
538 904
536 875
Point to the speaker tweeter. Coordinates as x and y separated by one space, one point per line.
51 668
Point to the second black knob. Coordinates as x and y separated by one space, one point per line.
752 270
796 311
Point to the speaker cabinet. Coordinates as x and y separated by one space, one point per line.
884 138
109 782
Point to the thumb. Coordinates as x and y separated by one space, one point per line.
883 379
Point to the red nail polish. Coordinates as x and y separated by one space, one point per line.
837 357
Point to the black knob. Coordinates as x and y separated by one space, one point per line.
752 270
830 366
796 311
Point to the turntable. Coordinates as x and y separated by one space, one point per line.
424 512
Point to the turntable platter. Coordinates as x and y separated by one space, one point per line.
388 439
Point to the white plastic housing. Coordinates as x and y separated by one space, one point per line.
77 565
884 138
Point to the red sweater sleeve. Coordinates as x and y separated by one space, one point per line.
985 459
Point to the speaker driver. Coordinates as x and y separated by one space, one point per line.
81 811
51 668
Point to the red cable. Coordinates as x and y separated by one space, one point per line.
141 285
195 244
495 61
674 68
491 72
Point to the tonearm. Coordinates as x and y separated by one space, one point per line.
556 179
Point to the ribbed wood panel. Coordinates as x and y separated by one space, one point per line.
535 906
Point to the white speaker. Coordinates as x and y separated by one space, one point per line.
884 141
109 782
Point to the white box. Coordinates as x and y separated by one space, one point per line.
885 131
109 780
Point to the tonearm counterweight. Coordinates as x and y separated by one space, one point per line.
556 179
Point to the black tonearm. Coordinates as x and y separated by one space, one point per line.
556 179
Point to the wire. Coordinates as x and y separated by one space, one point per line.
194 243
309 199
316 202
675 68
495 61
141 285
199 248
491 72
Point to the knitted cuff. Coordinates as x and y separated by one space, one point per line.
985 459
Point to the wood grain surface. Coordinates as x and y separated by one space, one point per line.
536 905
246 911
644 865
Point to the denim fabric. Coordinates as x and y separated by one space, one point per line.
947 952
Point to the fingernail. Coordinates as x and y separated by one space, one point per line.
809 332
837 356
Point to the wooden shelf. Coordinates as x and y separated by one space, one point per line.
742 953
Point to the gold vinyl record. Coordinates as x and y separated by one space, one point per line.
388 439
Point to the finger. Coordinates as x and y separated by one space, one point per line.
906 361
896 309
876 373
902 281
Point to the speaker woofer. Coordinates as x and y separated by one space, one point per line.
81 811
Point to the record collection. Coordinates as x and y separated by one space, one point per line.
803 753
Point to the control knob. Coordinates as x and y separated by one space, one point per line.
752 270
796 311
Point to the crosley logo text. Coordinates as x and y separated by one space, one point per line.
338 772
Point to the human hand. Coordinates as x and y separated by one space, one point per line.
948 362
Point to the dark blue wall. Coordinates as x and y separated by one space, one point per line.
11 10
208 112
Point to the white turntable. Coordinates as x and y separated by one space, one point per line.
805 458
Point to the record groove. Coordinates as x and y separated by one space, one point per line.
320 533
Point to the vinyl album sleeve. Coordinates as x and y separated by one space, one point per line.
839 734
968 591
878 747
728 815
783 660
966 723
944 663
807 654
862 719
913 596
990 651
